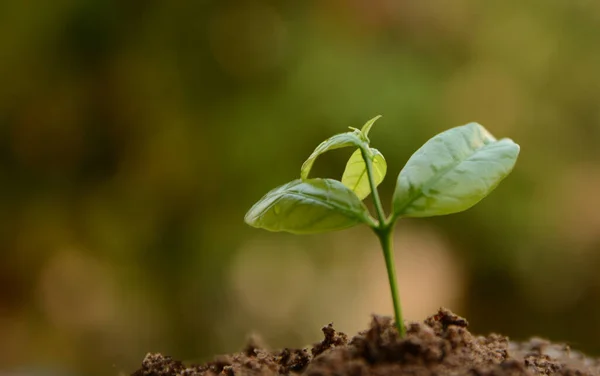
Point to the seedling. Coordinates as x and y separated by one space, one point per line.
450 173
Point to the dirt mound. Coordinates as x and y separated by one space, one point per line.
441 345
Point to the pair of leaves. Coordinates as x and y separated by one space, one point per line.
450 173
355 175
317 205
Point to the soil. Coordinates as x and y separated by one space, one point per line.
441 345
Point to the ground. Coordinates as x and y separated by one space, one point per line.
442 345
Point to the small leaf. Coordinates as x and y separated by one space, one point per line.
308 206
338 141
452 172
355 176
367 127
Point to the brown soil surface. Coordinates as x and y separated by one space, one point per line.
441 345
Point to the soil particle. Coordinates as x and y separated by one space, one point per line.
442 345
332 339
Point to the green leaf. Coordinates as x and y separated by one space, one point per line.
338 141
452 172
367 127
308 206
355 176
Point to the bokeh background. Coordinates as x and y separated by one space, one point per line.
134 135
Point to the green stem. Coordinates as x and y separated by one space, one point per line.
374 192
384 233
385 238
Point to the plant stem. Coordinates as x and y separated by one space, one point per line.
384 233
376 200
385 238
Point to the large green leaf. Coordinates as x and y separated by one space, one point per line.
452 172
338 141
355 175
308 206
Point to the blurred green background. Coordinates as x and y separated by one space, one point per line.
134 135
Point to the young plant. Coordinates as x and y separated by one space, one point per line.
450 173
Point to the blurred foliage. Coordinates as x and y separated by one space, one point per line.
134 135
